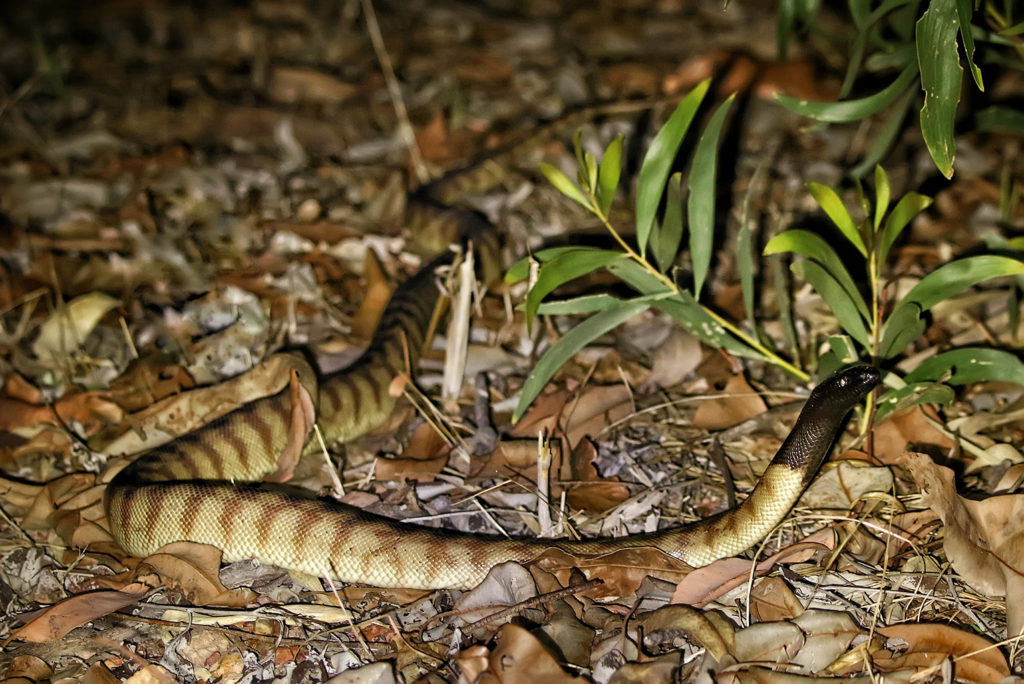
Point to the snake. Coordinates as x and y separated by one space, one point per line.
222 484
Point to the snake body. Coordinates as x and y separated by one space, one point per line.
207 486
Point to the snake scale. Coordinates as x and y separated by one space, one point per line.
208 486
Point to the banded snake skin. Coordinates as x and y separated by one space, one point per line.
208 486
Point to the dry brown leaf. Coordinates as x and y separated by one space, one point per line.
592 493
147 380
195 568
771 599
892 437
290 84
596 408
301 420
621 571
520 657
52 623
927 644
706 584
378 292
152 674
739 403
984 539
676 358
24 669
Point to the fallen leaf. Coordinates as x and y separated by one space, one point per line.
67 327
620 571
53 622
378 292
892 437
739 402
983 539
195 568
922 645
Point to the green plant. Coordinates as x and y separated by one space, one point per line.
659 237
874 326
919 41
877 326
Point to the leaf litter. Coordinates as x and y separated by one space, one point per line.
161 250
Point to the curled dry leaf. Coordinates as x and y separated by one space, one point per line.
983 539
67 327
923 645
195 568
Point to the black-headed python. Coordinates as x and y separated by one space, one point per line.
205 486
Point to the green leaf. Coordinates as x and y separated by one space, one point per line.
745 261
886 134
588 173
564 185
909 206
998 119
563 268
827 198
963 10
588 304
941 74
565 348
843 306
608 175
700 208
521 269
684 308
903 326
814 247
851 110
658 161
842 351
881 195
665 240
899 400
953 278
971 364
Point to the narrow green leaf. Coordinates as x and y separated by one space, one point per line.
608 175
588 173
909 206
814 247
700 207
562 269
683 308
588 304
882 195
953 278
564 185
745 262
886 134
963 11
842 305
842 351
665 239
851 110
913 394
520 270
829 201
939 61
658 161
971 364
565 348
999 119
903 326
